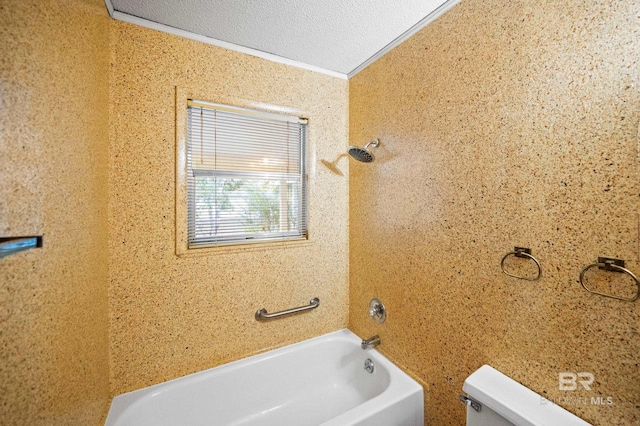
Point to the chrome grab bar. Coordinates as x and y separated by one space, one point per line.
521 252
613 265
262 314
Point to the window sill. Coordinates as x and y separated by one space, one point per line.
242 248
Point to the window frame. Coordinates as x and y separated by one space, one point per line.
256 238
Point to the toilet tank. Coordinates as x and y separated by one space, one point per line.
505 402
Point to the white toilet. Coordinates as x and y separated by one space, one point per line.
494 399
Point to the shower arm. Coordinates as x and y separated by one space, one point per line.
374 142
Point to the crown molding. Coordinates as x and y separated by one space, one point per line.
120 16
404 36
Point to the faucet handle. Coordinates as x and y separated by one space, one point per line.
377 311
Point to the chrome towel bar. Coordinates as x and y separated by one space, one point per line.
521 252
262 314
613 265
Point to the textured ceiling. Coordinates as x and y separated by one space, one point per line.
336 35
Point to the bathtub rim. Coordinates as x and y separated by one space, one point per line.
400 386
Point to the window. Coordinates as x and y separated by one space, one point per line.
246 176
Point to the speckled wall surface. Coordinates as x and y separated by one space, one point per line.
54 66
171 315
502 124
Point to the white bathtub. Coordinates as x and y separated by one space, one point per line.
321 381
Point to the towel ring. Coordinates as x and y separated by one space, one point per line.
521 252
613 265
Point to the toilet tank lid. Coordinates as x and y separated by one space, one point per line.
514 402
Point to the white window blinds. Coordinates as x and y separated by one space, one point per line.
246 177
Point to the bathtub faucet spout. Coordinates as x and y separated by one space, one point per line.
371 342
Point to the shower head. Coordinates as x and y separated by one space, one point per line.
363 154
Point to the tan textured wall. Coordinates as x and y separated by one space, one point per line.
171 315
54 65
502 124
